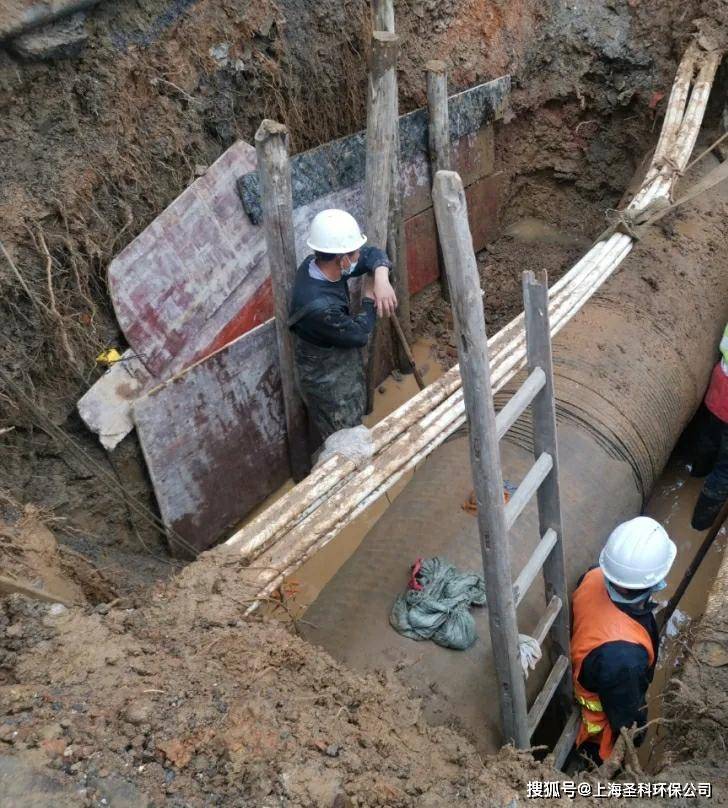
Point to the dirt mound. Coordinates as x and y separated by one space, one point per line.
33 563
160 707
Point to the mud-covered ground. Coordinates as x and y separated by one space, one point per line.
145 695
182 702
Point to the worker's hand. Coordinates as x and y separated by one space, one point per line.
384 295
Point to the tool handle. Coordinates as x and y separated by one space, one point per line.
408 351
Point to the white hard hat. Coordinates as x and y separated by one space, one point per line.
638 554
336 232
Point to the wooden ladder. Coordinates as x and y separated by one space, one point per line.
542 480
496 518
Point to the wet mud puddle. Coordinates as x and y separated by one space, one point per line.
672 505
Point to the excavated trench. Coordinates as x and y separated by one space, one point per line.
631 370
628 379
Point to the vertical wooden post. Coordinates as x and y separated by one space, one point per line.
538 340
274 170
457 245
383 20
380 143
439 140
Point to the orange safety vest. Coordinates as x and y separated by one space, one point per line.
596 620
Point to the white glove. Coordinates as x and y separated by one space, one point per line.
530 653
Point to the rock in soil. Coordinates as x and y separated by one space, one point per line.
59 40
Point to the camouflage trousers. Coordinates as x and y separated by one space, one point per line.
332 384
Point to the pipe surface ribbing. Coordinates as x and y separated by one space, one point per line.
630 370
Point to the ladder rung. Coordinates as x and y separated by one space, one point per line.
534 565
567 738
547 619
528 487
519 401
535 714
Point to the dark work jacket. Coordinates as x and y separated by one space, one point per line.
620 673
327 320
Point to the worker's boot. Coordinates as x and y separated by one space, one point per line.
706 511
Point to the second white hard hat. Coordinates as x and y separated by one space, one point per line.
638 554
336 232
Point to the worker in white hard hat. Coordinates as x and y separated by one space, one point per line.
329 337
615 637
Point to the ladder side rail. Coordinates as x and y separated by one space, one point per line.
538 340
467 303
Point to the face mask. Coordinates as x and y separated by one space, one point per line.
618 597
351 267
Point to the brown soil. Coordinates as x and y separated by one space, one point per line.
545 226
182 702
179 701
31 558
695 704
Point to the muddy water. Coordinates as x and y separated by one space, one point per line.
672 505
308 581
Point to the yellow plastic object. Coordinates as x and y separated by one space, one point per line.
108 357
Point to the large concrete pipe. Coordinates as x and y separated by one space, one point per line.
630 371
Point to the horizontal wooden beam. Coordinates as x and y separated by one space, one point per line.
528 487
519 402
547 619
533 565
535 714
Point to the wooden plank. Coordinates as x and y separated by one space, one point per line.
340 163
462 270
519 401
535 714
567 739
484 198
528 487
271 142
473 157
214 438
543 411
533 566
547 619
439 137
